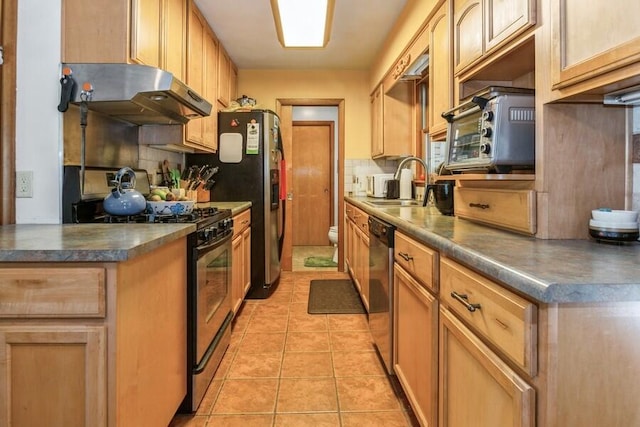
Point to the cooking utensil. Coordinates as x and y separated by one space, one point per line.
124 199
209 184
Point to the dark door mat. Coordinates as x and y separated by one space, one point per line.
334 297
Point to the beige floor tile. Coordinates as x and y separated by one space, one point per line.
209 398
366 394
348 322
299 308
272 309
264 323
308 420
255 365
225 364
375 419
300 296
246 397
262 342
357 363
351 341
307 341
307 395
302 365
305 322
240 421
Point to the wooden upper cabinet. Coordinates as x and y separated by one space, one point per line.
377 148
233 82
467 32
174 43
210 80
439 71
195 67
482 26
149 32
593 38
224 64
146 31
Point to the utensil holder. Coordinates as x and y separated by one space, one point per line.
203 195
192 195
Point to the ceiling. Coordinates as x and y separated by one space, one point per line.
247 31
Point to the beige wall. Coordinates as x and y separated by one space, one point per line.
265 86
409 22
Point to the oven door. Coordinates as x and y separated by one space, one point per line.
464 140
213 299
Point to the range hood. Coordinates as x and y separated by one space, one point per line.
416 70
629 96
137 94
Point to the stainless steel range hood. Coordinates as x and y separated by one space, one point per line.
137 94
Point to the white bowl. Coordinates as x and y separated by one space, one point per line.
170 208
613 225
615 216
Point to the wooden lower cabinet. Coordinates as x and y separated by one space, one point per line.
241 259
415 344
357 250
477 388
94 344
53 375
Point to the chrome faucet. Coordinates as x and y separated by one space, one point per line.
406 160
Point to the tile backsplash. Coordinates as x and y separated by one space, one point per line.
356 171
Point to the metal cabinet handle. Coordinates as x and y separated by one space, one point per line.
479 205
463 299
405 256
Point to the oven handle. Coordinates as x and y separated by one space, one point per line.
200 367
476 102
203 249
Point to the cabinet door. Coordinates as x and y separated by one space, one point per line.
210 124
237 271
233 82
145 32
467 26
593 38
195 66
246 260
174 37
506 18
377 147
363 267
224 64
476 387
53 376
398 119
416 348
440 71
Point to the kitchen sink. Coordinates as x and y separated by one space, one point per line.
393 203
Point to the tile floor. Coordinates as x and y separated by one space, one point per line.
285 367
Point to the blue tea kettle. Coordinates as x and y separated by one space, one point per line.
124 199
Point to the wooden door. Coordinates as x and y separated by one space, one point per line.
468 41
312 182
440 71
8 28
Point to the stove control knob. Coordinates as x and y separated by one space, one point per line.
487 116
485 148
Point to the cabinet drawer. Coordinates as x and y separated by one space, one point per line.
52 292
420 261
502 317
241 221
510 209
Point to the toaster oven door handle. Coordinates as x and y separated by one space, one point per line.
475 104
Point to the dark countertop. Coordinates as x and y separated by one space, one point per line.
547 271
92 242
85 242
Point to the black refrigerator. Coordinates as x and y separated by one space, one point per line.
251 161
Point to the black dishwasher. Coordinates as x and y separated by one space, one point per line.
381 288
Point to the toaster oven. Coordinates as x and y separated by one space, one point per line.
494 131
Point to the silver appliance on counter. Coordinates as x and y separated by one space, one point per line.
250 160
377 184
493 131
381 245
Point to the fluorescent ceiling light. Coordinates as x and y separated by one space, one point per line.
303 23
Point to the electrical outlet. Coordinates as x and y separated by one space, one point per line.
24 184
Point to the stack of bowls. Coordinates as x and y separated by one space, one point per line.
614 225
